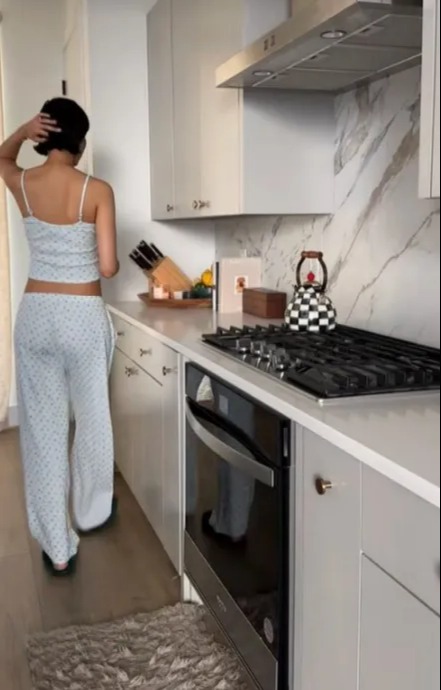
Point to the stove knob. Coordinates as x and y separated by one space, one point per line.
256 348
268 351
280 360
243 345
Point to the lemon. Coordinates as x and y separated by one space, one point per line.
207 278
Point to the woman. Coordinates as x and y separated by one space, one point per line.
63 337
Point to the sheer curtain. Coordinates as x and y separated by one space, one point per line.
5 300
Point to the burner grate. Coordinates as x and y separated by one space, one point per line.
343 363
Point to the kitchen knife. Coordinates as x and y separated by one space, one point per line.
149 266
137 261
147 252
157 251
141 260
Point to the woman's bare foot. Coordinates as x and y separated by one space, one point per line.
60 566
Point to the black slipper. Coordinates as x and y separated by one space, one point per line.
68 570
108 523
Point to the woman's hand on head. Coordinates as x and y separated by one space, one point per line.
38 130
40 127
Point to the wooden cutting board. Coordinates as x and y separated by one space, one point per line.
176 303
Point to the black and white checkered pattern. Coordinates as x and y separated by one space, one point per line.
311 311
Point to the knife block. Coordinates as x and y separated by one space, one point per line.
168 275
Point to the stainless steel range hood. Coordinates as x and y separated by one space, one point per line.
330 45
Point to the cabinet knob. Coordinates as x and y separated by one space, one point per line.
168 370
145 353
132 371
170 208
322 486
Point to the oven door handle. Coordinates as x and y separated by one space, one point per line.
232 456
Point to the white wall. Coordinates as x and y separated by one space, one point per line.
32 55
31 40
119 115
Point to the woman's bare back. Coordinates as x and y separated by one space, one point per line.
54 194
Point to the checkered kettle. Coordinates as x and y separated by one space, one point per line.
310 309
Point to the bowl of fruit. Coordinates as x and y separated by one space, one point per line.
203 286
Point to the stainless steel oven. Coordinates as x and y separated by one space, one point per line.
239 482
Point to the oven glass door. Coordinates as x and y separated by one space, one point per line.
234 505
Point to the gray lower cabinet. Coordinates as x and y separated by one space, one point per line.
328 566
148 485
136 404
146 412
400 636
366 580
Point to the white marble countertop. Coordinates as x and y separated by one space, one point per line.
398 436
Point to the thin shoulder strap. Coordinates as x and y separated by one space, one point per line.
83 197
25 196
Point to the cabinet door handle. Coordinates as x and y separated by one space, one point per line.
170 208
144 353
168 370
203 204
322 486
195 205
120 334
132 371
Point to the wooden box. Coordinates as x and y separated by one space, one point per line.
267 304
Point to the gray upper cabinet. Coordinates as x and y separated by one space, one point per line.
430 102
219 152
160 60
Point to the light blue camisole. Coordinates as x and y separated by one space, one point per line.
61 253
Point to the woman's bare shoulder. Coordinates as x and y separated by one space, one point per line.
101 189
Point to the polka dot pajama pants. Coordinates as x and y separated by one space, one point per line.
64 347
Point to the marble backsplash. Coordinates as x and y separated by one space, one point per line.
382 246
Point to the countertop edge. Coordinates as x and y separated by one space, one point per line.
417 485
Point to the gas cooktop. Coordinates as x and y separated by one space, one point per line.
343 363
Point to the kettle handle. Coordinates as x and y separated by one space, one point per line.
313 255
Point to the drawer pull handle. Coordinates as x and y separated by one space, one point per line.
132 371
120 334
144 353
322 486
168 370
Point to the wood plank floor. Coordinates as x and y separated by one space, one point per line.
120 572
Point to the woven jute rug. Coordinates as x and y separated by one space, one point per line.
167 650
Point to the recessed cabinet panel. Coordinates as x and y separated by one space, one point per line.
400 636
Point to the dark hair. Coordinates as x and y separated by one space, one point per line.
74 125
